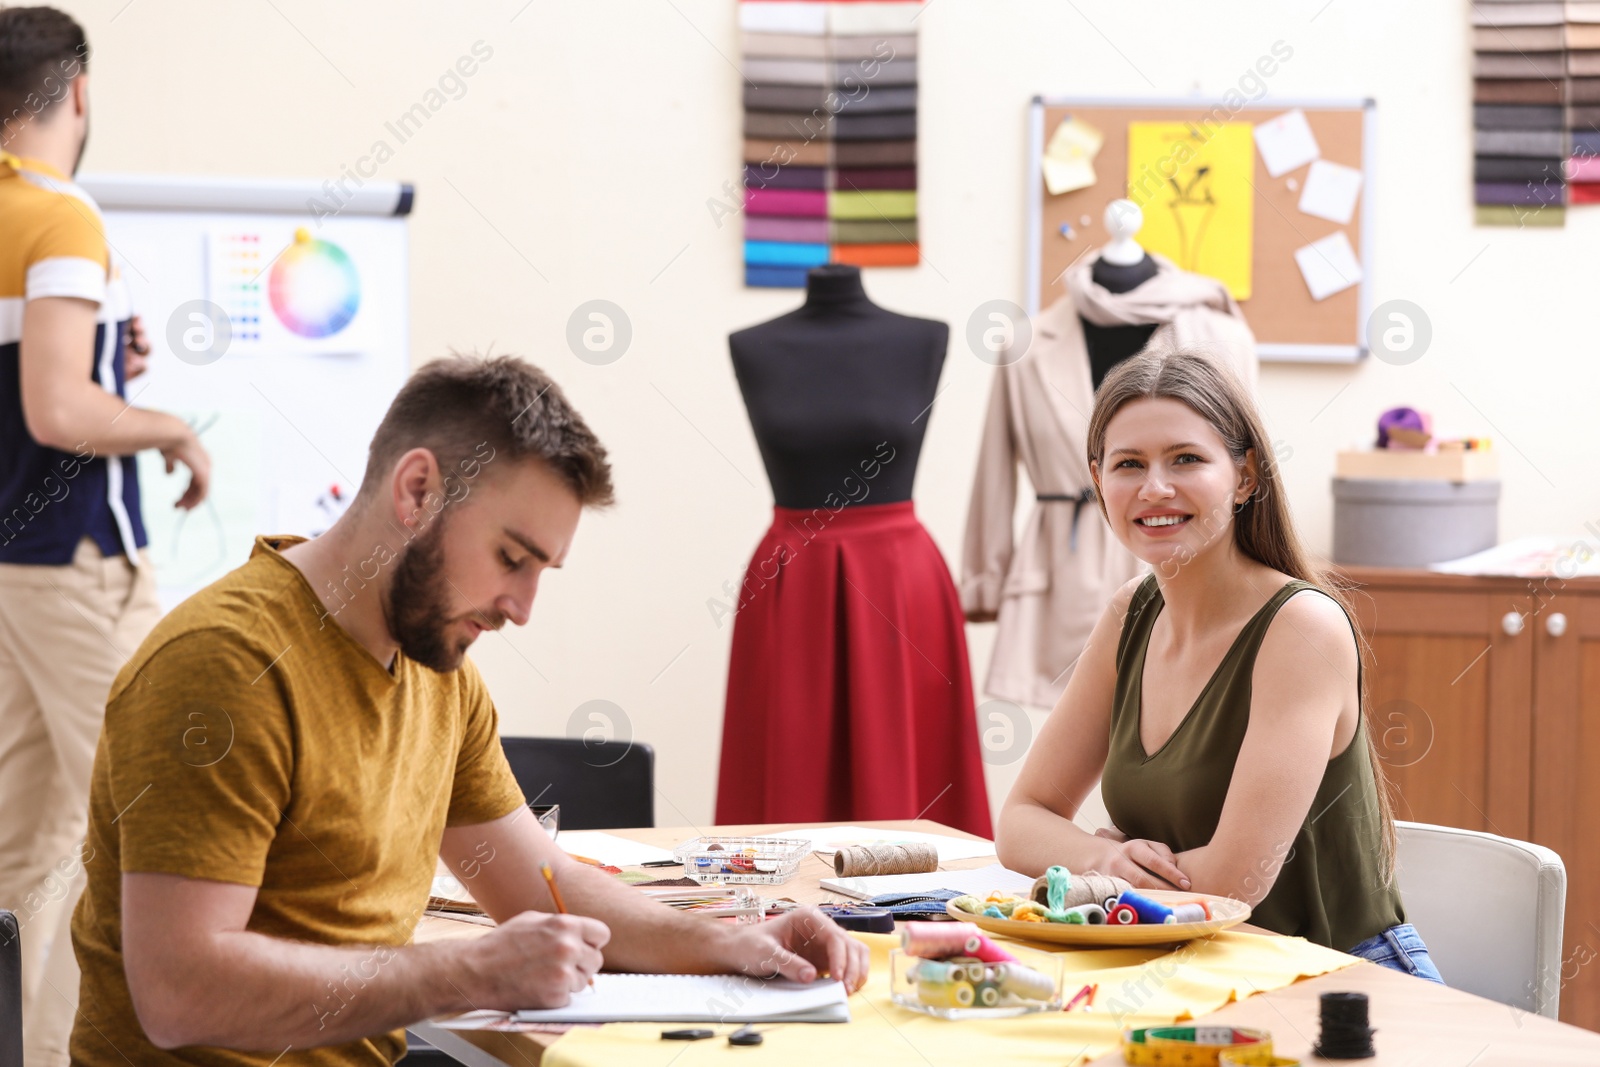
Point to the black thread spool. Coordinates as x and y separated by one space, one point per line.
1345 1033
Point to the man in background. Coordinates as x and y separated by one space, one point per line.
77 593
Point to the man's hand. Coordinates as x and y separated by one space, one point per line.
192 454
801 945
534 960
136 356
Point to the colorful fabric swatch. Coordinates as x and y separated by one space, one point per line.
830 135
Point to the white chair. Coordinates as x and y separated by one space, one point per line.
1490 909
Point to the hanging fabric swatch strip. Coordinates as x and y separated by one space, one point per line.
830 136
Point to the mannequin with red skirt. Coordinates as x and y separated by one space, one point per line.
849 689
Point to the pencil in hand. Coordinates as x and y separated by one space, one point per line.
550 880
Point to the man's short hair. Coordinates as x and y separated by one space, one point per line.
455 406
41 51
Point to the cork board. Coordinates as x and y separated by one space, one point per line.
1289 325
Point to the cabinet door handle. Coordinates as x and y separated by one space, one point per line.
1511 623
1555 625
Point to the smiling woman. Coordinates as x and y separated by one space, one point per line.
1222 710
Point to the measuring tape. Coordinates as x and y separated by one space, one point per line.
1198 1046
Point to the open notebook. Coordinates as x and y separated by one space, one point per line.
697 998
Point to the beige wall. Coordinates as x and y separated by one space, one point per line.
578 165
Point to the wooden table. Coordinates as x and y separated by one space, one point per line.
1418 1023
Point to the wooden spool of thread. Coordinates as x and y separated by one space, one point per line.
910 858
1098 889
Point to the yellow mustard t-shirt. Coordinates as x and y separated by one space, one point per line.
251 741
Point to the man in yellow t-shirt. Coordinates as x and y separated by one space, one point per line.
292 747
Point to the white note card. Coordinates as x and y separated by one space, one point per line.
1286 142
1331 191
1329 266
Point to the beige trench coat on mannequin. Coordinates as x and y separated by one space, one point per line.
1050 587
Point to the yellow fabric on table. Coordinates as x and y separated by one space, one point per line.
1138 987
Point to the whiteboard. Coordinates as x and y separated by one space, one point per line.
286 416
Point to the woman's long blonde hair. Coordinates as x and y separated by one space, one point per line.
1263 529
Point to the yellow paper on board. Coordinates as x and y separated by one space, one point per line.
1069 157
1193 184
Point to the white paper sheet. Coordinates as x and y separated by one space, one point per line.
609 848
1286 142
712 998
830 839
1331 191
1329 266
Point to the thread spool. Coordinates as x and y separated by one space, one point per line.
1190 913
1019 981
986 994
946 994
1090 914
909 858
1077 889
1122 915
1345 1033
1150 911
967 969
937 971
938 940
989 952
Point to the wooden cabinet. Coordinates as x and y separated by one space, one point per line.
1484 700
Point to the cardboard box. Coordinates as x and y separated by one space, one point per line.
1387 463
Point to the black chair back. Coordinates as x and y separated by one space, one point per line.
600 785
10 991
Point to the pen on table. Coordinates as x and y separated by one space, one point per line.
550 880
1073 1003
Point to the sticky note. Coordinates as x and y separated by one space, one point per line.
1331 191
1329 266
1068 162
1286 143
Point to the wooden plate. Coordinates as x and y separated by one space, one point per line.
1225 912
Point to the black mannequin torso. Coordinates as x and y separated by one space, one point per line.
838 392
1110 345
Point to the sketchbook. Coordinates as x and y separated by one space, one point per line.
699 998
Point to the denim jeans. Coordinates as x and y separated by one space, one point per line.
1399 948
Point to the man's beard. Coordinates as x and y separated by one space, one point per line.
416 605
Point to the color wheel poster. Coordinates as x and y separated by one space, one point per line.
288 290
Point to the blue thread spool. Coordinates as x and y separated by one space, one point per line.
1149 911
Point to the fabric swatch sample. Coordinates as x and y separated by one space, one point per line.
875 153
787 71
799 203
1583 90
776 177
1582 35
759 276
1582 11
782 153
1515 169
1536 13
1521 39
873 204
875 178
1584 192
873 73
1517 91
1517 117
1584 143
785 228
1518 65
785 254
889 126
1583 64
1583 116
1519 142
784 45
873 18
896 255
806 125
1582 170
1507 215
873 231
784 18
874 46
1535 193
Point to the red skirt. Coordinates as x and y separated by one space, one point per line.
849 691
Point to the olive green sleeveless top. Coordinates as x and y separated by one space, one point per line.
1330 889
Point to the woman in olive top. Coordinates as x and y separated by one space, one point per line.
1220 697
